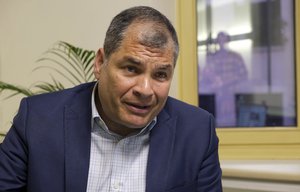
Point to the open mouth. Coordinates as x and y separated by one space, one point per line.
140 106
138 109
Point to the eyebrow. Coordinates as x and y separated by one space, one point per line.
163 66
133 60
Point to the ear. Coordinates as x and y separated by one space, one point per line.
99 62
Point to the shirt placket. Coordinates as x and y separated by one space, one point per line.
120 166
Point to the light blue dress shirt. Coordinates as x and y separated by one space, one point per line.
117 163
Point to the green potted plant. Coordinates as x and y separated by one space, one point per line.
73 64
65 61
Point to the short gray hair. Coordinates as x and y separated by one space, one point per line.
119 24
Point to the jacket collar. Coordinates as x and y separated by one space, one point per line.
77 128
162 139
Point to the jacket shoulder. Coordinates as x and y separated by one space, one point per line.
175 107
63 96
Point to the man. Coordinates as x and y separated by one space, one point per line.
225 74
122 133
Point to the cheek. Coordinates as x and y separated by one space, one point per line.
162 91
120 85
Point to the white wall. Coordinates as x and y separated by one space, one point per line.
28 28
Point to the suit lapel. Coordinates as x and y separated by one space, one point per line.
77 142
161 146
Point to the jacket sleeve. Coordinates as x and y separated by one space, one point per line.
13 154
210 174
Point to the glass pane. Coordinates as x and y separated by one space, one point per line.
246 62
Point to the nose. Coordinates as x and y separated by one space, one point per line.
143 87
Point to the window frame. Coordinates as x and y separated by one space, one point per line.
235 143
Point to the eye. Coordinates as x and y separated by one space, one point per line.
131 69
161 75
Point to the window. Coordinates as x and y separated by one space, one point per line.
264 117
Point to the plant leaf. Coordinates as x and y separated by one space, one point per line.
15 89
72 63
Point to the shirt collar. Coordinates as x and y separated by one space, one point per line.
96 118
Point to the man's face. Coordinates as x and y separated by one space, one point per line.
134 81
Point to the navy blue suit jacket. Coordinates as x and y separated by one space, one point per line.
47 148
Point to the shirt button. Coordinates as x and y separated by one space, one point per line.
117 186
